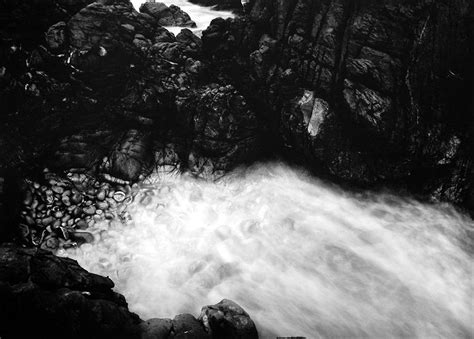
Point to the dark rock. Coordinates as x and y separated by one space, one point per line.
38 288
131 156
374 65
225 129
228 320
156 329
186 326
56 36
167 16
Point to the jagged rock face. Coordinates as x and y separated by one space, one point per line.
399 102
223 129
39 288
386 105
167 16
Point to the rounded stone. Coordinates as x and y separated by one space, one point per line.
76 198
48 220
81 225
57 189
119 196
101 195
102 205
89 210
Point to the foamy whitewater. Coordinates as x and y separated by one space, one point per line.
301 257
202 16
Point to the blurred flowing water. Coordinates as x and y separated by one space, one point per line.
303 258
199 14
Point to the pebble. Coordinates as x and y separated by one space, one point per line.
34 204
46 221
109 216
65 200
70 222
77 212
76 198
50 243
58 215
81 225
119 196
101 195
82 237
102 205
57 189
28 198
90 210
56 224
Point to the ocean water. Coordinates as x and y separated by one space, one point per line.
303 258
201 15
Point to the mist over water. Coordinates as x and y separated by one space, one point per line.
301 257
202 16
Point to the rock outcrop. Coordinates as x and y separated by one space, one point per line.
44 296
390 107
364 92
167 16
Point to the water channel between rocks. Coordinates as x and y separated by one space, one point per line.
303 258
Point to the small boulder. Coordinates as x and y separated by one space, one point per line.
130 156
228 320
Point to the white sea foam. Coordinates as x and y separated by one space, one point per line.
199 14
303 258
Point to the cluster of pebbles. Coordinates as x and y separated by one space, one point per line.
57 212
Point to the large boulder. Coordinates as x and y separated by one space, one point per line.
167 16
58 299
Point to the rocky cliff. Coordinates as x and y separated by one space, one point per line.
365 93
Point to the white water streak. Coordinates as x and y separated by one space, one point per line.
202 16
301 257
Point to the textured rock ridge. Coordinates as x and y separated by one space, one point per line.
398 104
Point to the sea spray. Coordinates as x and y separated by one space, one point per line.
303 258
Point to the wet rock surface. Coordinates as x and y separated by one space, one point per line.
167 16
365 93
40 288
369 62
228 320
